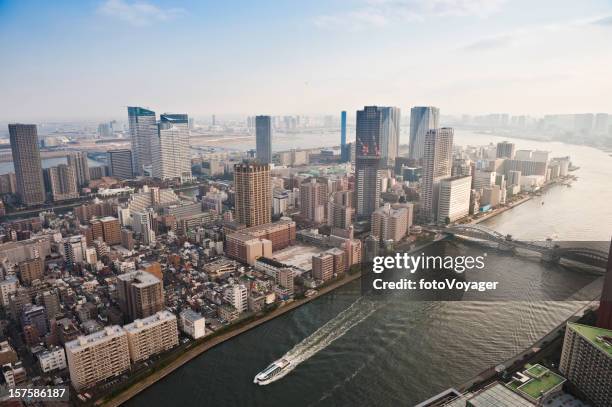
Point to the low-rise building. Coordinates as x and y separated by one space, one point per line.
193 323
52 359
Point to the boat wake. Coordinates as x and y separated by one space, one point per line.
326 334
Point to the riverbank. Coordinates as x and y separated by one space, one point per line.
154 377
499 211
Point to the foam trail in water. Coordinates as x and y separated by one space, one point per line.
326 334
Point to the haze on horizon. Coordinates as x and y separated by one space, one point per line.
90 59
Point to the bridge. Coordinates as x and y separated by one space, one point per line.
550 251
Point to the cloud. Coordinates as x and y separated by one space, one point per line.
378 13
491 43
515 37
605 21
354 20
138 13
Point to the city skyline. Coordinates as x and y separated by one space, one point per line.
497 53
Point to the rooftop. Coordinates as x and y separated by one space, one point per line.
542 382
498 395
82 341
141 278
152 320
599 337
191 315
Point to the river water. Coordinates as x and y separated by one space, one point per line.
362 351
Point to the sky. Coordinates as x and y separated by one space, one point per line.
90 59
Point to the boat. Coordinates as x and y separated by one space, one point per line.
265 376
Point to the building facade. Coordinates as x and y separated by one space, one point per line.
586 362
263 139
140 294
120 163
171 154
368 161
143 131
28 167
151 335
454 199
437 165
422 120
96 357
253 194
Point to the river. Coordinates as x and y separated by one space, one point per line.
362 351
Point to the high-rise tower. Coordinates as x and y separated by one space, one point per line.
368 157
263 139
172 158
143 130
422 119
389 139
253 193
437 165
344 153
28 167
78 161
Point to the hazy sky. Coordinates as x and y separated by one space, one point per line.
90 59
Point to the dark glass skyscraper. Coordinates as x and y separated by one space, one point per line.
422 119
344 153
368 160
26 159
263 139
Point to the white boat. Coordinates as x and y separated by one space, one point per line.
265 376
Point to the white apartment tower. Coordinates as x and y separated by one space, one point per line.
454 199
97 357
171 156
143 131
437 165
151 335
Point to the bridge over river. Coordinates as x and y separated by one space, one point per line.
550 250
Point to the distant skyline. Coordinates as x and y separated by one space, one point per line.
71 60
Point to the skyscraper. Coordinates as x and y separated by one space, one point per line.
344 154
367 165
26 159
437 165
389 139
172 158
313 200
422 119
253 194
604 314
143 130
263 139
62 182
505 150
120 163
78 160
